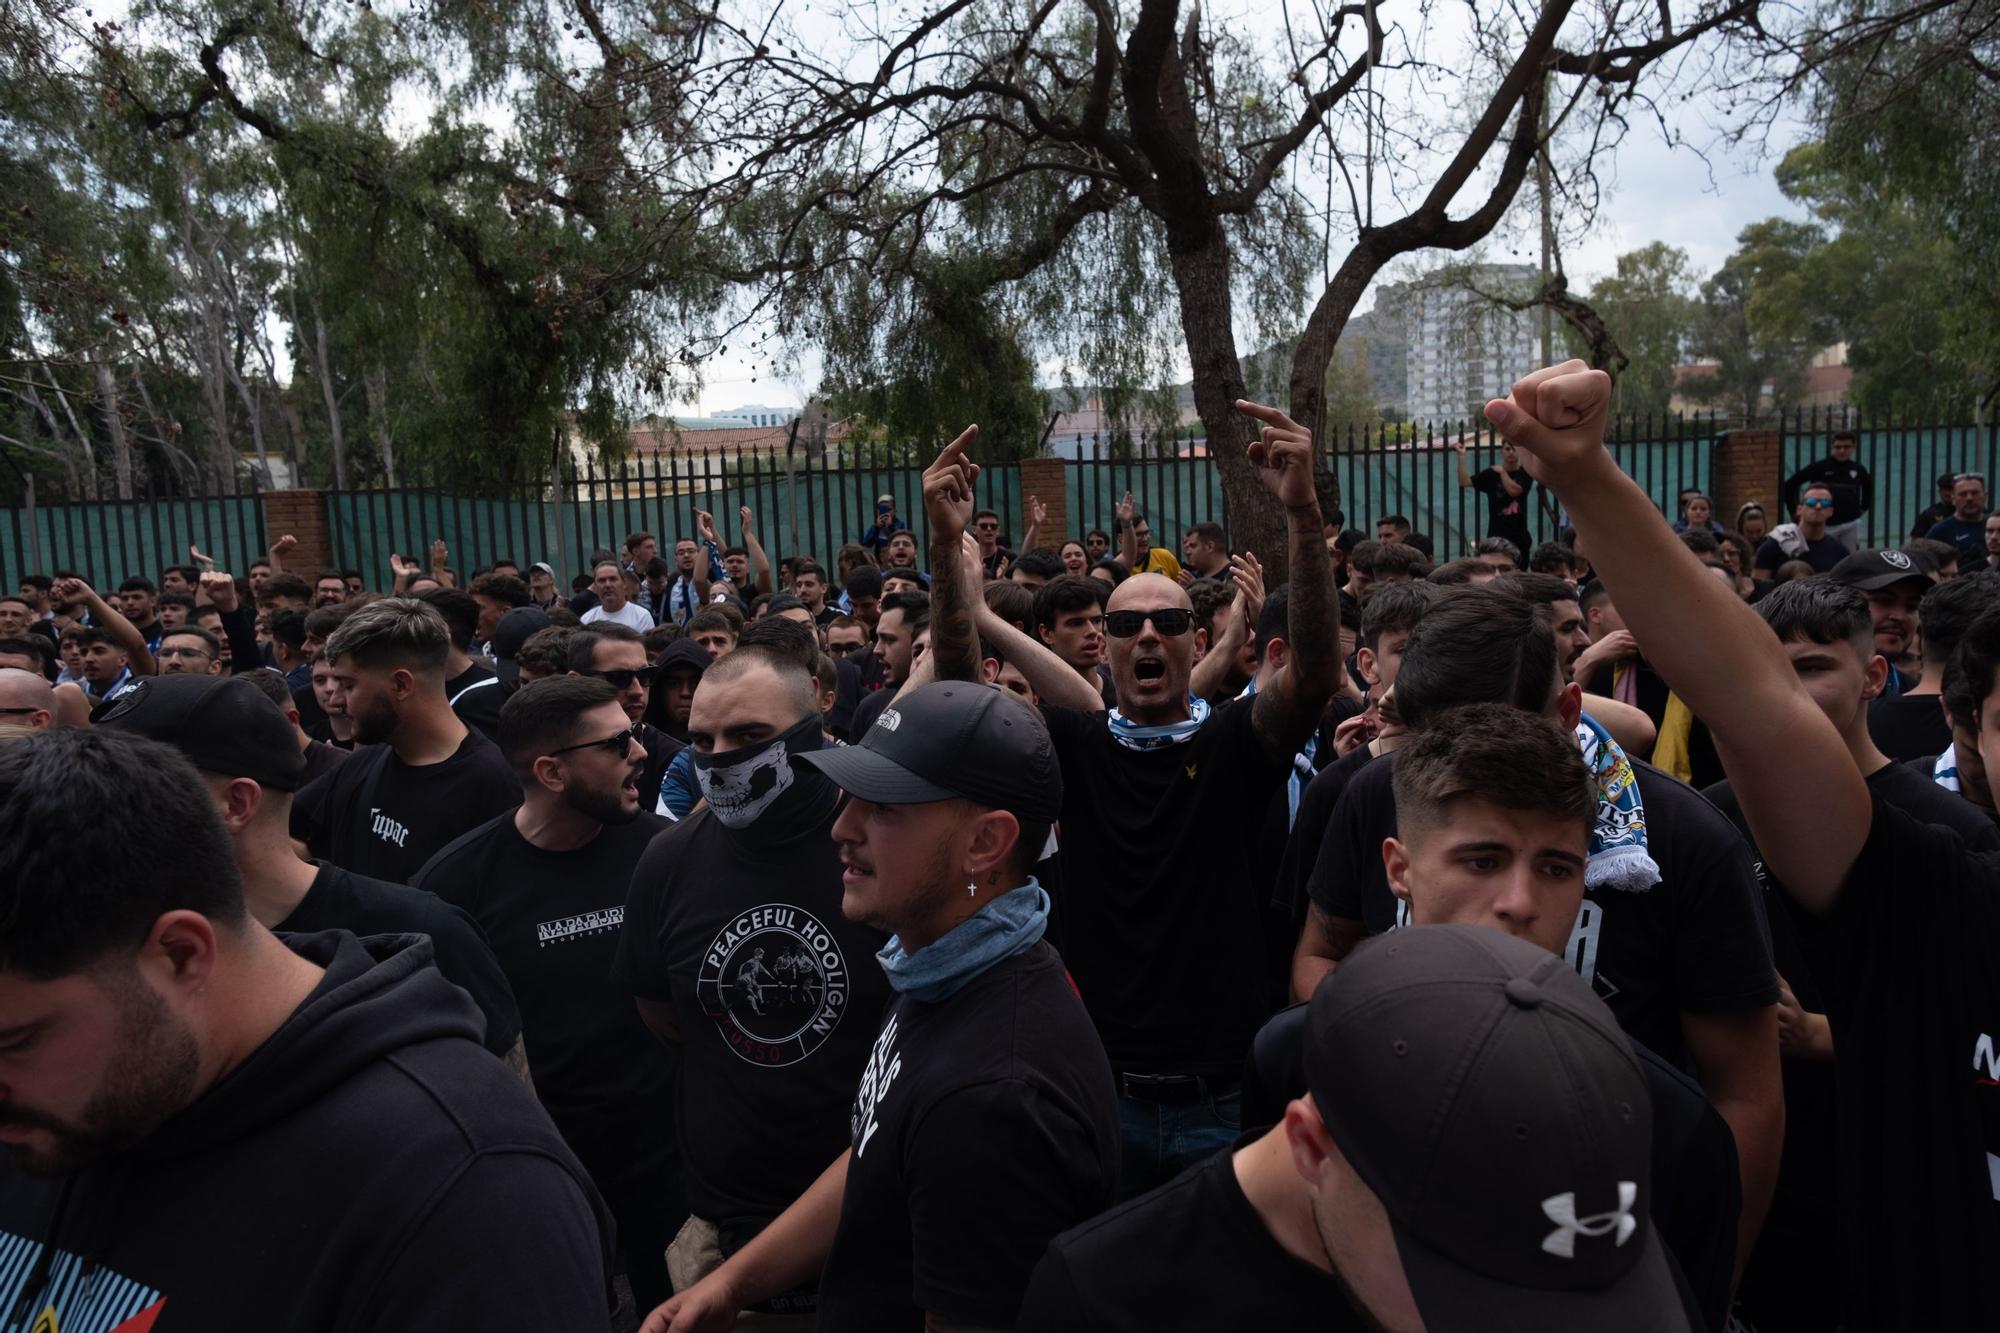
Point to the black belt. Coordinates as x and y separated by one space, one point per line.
1174 1089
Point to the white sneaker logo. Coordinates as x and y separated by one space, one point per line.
1561 1210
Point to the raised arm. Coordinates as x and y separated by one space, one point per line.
1800 791
708 561
113 622
279 550
1128 536
954 651
1037 513
1290 707
238 626
1458 451
760 563
1209 674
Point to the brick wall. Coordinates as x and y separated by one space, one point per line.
1746 466
1046 479
302 514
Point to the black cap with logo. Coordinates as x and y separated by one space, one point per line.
1491 1102
947 740
223 724
1872 571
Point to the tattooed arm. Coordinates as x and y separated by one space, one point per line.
954 651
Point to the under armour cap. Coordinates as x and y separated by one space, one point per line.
1872 571
1492 1103
223 724
952 739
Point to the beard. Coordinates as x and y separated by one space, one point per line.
375 724
149 1077
893 912
604 807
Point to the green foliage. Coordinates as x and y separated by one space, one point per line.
1648 305
1755 318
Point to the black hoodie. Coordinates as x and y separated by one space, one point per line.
368 1167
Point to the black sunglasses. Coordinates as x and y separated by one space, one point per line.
1171 621
619 745
622 678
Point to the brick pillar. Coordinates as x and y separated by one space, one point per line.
1047 478
1746 466
303 515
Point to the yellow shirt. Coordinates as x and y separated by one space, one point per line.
1160 560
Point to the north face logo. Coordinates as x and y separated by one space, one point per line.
890 719
1561 1210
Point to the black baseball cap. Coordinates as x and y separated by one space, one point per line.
223 724
1872 571
947 740
1492 1103
514 630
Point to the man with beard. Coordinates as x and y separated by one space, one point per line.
1894 582
249 756
767 1075
165 1062
547 883
617 656
429 778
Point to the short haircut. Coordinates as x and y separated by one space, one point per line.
1477 645
208 641
1210 532
288 585
326 574
26 645
583 642
809 567
1551 558
978 514
137 583
1535 589
1490 752
542 716
1399 558
1096 532
460 612
1363 554
657 638
910 602
775 636
844 622
271 684
501 588
864 582
1421 543
1205 598
1274 618
1396 521
405 632
1498 546
289 628
1701 541
657 568
73 898
1843 434
1453 573
1115 568
1969 677
779 601
1012 602
710 617
1939 554
1812 486
1395 606
322 621
1071 592
1819 610
826 674
1793 569
794 668
903 572
1048 564
633 541
39 582
1949 609
546 651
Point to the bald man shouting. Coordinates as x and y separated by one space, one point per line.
26 700
1160 927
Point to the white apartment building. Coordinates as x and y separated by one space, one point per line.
1463 348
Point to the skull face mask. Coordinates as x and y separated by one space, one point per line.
740 785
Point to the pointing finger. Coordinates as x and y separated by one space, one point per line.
1269 415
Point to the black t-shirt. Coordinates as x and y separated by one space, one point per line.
983 1127
1161 925
778 998
1507 515
339 900
1909 726
1911 979
1309 829
1696 942
376 815
322 759
660 751
868 710
477 698
1822 555
1191 1254
554 919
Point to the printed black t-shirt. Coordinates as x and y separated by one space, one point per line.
1911 979
340 900
1909 726
1696 942
984 1125
1161 924
477 696
1507 515
554 921
1822 555
376 815
778 998
1191 1254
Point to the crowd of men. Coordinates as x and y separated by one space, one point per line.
1598 933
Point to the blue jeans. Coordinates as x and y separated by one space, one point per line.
1158 1141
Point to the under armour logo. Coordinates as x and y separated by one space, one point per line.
1561 1210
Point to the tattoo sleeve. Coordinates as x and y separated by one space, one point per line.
1287 712
516 1059
954 650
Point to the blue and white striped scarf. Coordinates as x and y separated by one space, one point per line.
1618 854
1944 769
1134 736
